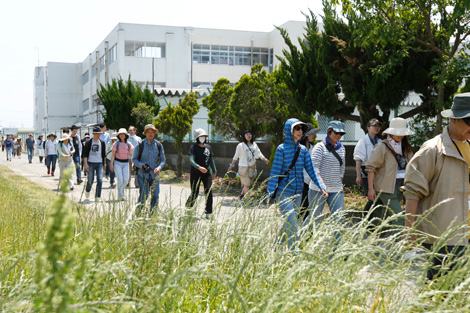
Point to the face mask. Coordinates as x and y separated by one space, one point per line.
201 139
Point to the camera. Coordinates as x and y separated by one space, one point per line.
146 169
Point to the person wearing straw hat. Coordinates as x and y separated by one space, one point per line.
65 153
94 158
286 181
386 170
149 159
361 155
121 157
246 153
203 170
437 188
109 154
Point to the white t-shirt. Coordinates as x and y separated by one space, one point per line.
247 155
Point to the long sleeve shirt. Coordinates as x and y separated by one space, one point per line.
152 155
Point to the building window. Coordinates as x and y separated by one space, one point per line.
85 78
145 49
93 70
113 54
85 104
229 55
102 61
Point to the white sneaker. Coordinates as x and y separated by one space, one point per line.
208 215
87 194
98 199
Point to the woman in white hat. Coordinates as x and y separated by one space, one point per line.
65 151
386 169
109 153
122 153
201 158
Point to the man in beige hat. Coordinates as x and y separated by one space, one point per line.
437 187
149 159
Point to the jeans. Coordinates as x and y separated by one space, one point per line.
289 208
195 181
30 154
9 153
109 172
122 174
51 161
76 160
335 202
98 167
145 184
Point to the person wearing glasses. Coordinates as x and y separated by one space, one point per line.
437 188
286 181
386 171
329 159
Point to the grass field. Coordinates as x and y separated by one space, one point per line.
58 257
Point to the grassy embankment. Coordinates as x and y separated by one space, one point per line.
57 258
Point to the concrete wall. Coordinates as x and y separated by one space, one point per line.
224 151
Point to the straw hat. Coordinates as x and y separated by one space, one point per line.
122 131
398 128
65 136
150 126
200 132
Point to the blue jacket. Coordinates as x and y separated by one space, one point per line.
293 183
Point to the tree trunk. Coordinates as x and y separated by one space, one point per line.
440 102
179 162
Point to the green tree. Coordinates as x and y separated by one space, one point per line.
340 70
143 115
176 121
439 27
120 97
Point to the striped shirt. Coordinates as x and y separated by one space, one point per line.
327 165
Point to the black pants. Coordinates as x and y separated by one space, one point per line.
304 203
195 179
450 253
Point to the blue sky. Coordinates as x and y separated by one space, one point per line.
35 32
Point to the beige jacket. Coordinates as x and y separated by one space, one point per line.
383 163
436 173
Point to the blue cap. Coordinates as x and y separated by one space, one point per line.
337 126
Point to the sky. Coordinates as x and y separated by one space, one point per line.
34 32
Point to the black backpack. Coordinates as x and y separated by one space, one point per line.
141 149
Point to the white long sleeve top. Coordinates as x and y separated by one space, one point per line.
247 155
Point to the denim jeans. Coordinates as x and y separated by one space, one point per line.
98 168
30 154
335 202
144 187
109 172
289 207
9 153
76 160
51 161
122 174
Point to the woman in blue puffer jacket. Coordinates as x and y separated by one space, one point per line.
288 190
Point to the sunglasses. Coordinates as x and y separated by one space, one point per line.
336 133
297 127
466 121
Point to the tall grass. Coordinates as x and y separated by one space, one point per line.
99 260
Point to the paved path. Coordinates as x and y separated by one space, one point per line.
170 195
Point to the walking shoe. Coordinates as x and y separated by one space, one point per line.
98 199
30 162
79 181
208 215
52 173
113 185
87 194
71 188
48 171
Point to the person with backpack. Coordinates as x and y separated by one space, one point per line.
203 170
386 170
65 151
329 160
120 159
94 158
247 152
149 159
286 181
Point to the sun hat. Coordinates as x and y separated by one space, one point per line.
65 136
122 131
87 135
398 128
311 130
337 126
150 126
460 108
374 122
96 130
114 136
301 124
199 132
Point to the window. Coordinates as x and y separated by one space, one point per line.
145 49
93 70
113 54
230 55
102 61
85 78
85 104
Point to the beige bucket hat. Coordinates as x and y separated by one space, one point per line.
398 128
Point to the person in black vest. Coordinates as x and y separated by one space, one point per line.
202 164
77 146
94 158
